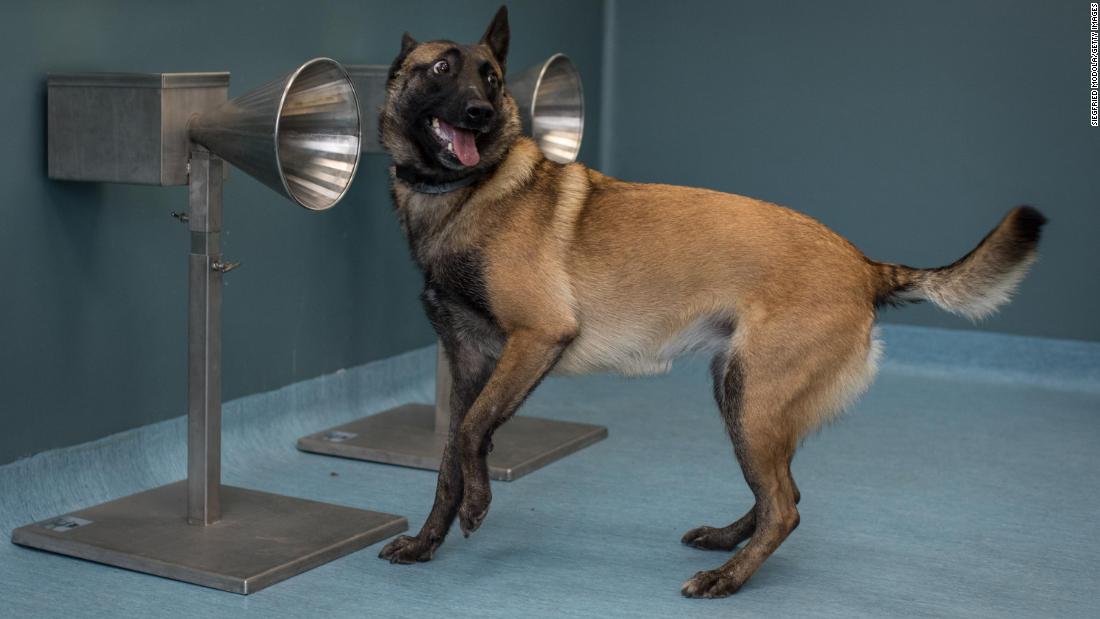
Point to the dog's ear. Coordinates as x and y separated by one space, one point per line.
496 36
407 45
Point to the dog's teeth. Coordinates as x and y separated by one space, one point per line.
438 131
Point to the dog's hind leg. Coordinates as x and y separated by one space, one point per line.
727 537
776 389
764 449
722 538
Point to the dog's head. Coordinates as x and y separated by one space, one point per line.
446 112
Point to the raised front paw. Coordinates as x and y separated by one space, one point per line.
711 584
710 538
475 505
408 549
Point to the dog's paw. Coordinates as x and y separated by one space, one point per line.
710 538
472 512
710 584
407 549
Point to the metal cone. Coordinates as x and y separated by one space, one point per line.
298 135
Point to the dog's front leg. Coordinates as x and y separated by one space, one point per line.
470 370
526 358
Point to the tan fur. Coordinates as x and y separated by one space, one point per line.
628 276
627 268
980 282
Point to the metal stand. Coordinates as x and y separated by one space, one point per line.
229 538
413 435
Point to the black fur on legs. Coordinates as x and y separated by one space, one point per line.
470 370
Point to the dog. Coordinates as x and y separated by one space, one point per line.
532 266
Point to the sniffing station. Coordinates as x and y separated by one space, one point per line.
299 135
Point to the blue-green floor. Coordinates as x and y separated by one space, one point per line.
965 483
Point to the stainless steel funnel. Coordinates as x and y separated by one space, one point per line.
298 135
551 103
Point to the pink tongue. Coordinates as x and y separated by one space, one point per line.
464 145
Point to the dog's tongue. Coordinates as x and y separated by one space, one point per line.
464 144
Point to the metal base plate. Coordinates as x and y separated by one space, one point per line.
262 538
406 436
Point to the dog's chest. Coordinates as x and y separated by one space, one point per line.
459 277
457 300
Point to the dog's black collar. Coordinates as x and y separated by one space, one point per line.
420 184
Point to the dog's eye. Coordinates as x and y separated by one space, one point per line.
441 67
493 80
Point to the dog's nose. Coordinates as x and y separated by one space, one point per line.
479 111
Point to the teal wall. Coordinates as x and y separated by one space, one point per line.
909 127
93 276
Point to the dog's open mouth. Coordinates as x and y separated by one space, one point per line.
457 141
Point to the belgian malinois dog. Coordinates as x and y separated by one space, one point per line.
532 266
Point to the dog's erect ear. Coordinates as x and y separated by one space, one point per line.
496 36
407 43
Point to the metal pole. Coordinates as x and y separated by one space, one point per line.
204 401
261 538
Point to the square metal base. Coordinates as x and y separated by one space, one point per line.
406 436
262 538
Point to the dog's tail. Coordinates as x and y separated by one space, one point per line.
979 282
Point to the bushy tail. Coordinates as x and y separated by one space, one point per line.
979 282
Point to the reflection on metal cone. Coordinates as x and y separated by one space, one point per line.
551 103
298 135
